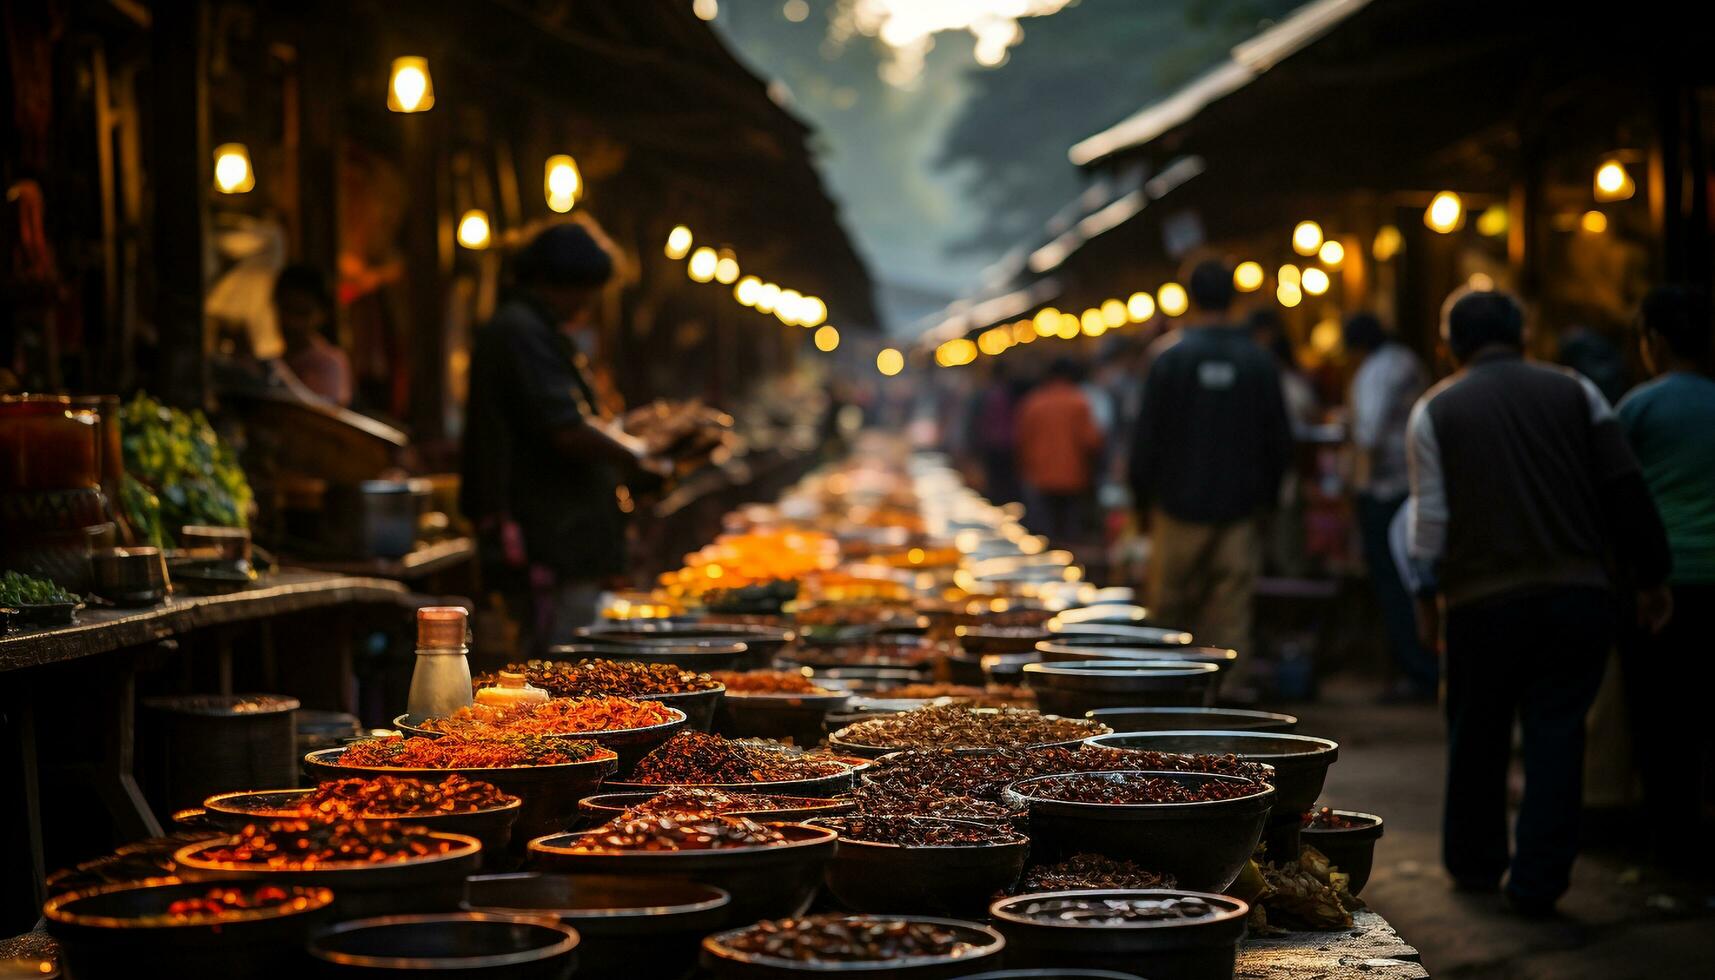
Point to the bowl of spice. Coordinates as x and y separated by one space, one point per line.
691 691
1192 719
961 728
747 766
630 727
456 944
375 867
697 655
1075 688
1199 827
783 704
453 804
890 946
1300 761
1161 933
202 928
921 865
1091 872
549 775
762 808
644 928
1347 838
762 642
769 869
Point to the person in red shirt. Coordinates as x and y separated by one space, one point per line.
1058 443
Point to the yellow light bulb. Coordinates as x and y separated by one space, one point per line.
410 89
1092 323
1024 332
786 307
746 290
562 183
1594 222
1247 277
1492 223
812 312
701 268
1140 307
1388 243
1315 281
726 268
1046 322
1614 182
889 361
474 232
994 341
1306 238
1069 327
827 338
232 171
1113 313
1332 253
679 242
1288 275
1171 299
1288 294
1445 214
766 297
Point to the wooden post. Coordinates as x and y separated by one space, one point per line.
425 266
181 172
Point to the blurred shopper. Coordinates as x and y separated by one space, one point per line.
1387 383
1058 445
1211 444
995 436
1303 408
1284 532
543 465
1670 423
1522 484
303 307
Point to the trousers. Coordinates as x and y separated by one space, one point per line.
1202 578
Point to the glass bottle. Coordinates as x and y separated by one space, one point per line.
440 684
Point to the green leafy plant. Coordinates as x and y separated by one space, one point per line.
18 589
179 472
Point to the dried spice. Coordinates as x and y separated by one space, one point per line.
956 726
232 903
459 752
1226 765
697 757
302 845
1326 819
556 716
909 652
847 938
566 679
871 801
1125 788
677 832
1117 911
1307 894
1092 872
382 797
969 695
695 800
908 831
768 682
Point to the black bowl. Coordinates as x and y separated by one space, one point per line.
894 879
453 944
763 643
1195 949
1075 688
550 793
978 640
1300 761
649 928
102 932
1352 850
1126 634
1133 719
1064 650
699 706
766 881
790 809
425 884
836 784
688 655
1203 846
798 717
725 963
229 812
630 744
865 680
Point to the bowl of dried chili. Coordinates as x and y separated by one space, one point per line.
921 865
695 759
550 775
691 691
762 642
1159 932
775 704
240 928
676 799
1347 838
632 728
698 655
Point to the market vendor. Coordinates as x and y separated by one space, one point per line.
545 468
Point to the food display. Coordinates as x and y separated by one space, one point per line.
1091 872
460 752
219 904
768 682
908 831
397 796
1123 788
585 678
848 939
679 831
1325 818
696 757
957 726
303 845
556 716
699 800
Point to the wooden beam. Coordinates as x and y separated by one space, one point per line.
181 174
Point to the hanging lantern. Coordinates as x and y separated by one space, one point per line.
562 183
474 232
409 88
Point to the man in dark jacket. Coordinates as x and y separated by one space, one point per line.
1522 488
1211 445
544 468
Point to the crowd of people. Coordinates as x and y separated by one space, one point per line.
1515 528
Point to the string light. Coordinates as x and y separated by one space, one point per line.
767 297
409 88
1315 281
786 307
1288 275
1288 294
746 291
1247 277
889 361
702 264
1332 253
1139 307
1388 243
474 232
1614 182
679 242
1171 299
232 170
812 312
1092 323
994 340
726 267
1024 332
1113 313
1446 213
562 183
1046 321
1069 327
1594 222
1306 238
955 352
827 338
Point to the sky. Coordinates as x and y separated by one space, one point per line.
942 125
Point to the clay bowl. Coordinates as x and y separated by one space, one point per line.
1203 845
1300 761
1183 949
1352 849
765 881
787 809
360 889
798 717
1133 719
466 945
550 794
688 654
875 878
649 928
725 963
1072 689
630 744
109 931
762 643
229 812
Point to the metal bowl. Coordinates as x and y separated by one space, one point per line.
790 809
1073 689
688 655
725 963
1300 761
1203 846
798 717
630 744
1352 850
1131 719
449 944
229 812
649 928
415 885
103 932
550 793
871 877
129 576
1130 634
763 643
1194 949
765 881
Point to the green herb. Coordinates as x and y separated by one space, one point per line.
18 589
185 473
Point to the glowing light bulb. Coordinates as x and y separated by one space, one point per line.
766 297
1332 253
1388 243
410 89
474 232
786 307
706 9
1069 327
702 265
1113 313
812 312
1172 300
726 268
827 338
1315 281
562 183
1446 213
1594 222
1306 238
1092 324
1046 322
1140 307
232 171
1288 274
1614 182
1288 294
746 291
1247 277
679 242
889 361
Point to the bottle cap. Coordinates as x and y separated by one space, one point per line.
441 627
509 679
